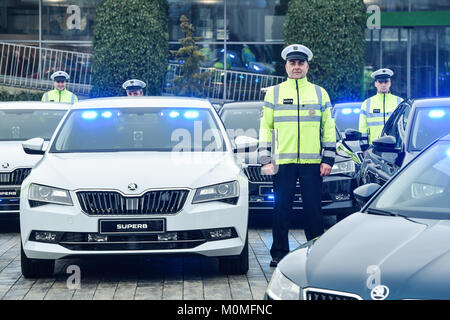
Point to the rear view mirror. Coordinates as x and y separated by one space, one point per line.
34 146
352 135
245 144
385 144
365 192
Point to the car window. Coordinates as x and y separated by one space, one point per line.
139 129
396 125
423 188
241 122
429 124
347 117
22 125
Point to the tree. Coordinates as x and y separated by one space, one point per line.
192 81
335 32
130 41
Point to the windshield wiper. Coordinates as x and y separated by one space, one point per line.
382 212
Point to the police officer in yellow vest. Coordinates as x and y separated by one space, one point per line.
376 110
134 87
297 140
60 93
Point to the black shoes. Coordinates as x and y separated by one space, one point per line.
275 261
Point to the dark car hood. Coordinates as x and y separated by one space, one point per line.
413 257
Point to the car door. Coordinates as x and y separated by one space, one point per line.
378 167
392 162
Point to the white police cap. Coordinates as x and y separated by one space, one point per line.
133 84
59 76
382 74
296 52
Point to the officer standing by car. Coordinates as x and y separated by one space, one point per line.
59 93
297 141
376 110
134 87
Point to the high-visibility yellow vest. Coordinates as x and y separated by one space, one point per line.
64 96
296 124
374 114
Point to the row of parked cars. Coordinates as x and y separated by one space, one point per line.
175 176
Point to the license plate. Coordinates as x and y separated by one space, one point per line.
9 193
265 191
133 226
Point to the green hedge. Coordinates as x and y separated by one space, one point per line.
334 30
20 96
130 41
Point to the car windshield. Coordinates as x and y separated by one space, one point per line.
242 122
422 190
20 125
429 124
139 129
347 116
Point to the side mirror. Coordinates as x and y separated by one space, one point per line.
245 144
34 146
365 192
385 144
352 135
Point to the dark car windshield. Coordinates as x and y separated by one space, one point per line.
19 125
422 190
429 124
241 122
139 129
346 116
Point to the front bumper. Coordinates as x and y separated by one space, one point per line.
337 194
71 221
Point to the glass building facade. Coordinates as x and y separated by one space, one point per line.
247 35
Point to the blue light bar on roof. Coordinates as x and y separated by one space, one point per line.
346 111
436 114
191 114
89 115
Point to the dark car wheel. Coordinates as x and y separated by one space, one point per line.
36 268
235 264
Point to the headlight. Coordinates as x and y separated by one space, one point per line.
40 195
343 167
223 191
281 288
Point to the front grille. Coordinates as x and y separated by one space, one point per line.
113 203
185 240
254 174
14 178
312 294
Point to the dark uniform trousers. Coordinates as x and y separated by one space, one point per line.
284 188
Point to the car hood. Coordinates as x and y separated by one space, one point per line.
146 169
412 257
11 152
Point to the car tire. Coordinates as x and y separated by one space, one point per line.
35 268
235 264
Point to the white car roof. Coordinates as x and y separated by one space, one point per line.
33 105
143 102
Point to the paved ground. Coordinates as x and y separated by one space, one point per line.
145 277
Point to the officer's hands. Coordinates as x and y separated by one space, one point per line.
325 169
268 169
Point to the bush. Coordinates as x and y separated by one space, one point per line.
130 41
20 96
334 30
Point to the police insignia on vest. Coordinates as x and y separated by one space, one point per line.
312 112
376 110
288 101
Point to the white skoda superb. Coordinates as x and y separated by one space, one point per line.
135 176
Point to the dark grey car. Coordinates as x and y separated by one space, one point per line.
396 247
412 126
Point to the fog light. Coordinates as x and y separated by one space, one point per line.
168 236
220 234
342 196
95 237
45 236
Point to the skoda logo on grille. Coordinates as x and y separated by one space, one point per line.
380 292
5 165
132 186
